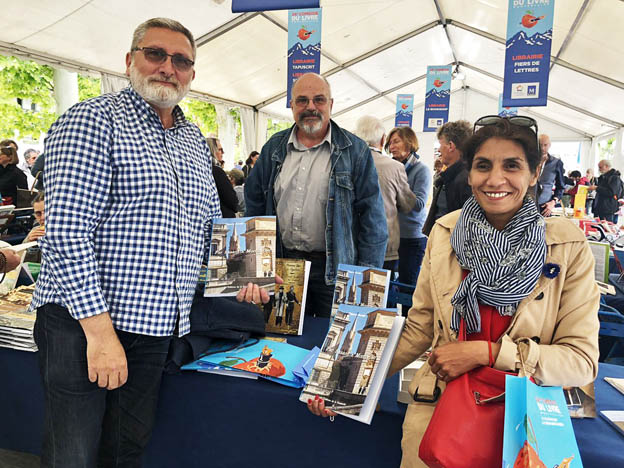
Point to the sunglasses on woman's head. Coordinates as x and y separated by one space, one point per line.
517 120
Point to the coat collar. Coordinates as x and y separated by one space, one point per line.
557 228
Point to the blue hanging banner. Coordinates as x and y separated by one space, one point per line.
437 98
527 58
404 110
239 6
304 45
505 111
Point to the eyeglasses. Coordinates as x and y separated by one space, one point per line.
157 55
518 120
303 101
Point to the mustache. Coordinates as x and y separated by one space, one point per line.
167 79
310 113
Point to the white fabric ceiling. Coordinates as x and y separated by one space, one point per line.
372 50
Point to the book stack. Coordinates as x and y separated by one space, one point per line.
16 323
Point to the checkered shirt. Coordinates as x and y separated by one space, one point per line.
129 206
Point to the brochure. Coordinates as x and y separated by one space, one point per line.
617 383
242 250
269 359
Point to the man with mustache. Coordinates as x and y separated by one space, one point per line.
121 254
320 181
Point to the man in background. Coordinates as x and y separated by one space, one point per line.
395 190
321 182
551 181
451 189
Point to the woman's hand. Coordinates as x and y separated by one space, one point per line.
35 234
451 360
317 407
254 294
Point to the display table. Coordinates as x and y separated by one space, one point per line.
217 421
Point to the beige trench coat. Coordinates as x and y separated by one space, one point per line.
555 328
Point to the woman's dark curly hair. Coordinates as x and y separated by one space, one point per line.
523 136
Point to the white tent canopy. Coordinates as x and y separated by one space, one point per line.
372 50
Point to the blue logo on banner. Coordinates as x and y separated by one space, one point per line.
239 6
404 110
505 111
437 98
527 56
304 45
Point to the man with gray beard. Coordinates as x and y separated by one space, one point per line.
121 254
321 182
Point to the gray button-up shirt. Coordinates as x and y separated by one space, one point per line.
301 190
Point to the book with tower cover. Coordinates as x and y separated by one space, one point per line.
360 286
353 362
242 250
285 311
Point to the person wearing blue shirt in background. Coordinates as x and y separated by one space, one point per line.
403 144
130 200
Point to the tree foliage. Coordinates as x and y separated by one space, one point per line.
33 85
274 126
202 114
28 82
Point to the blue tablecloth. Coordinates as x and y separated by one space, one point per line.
217 421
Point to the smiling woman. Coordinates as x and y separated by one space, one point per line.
484 269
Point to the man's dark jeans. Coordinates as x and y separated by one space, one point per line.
411 254
87 426
320 296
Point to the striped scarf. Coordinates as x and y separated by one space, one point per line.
503 266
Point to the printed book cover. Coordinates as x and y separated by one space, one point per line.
538 430
353 362
285 311
360 286
581 401
615 418
242 250
269 359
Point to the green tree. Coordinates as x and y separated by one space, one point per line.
29 82
202 114
274 126
88 87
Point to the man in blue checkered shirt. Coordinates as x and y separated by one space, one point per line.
129 202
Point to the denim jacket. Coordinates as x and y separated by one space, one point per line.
356 231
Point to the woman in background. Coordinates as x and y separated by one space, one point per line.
227 195
250 163
403 144
11 177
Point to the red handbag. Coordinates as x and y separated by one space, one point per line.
466 429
